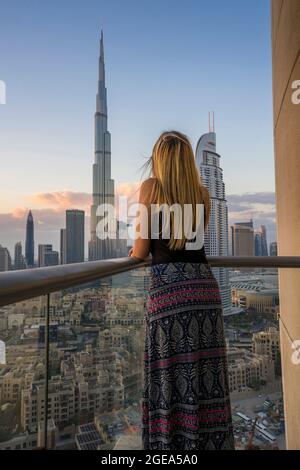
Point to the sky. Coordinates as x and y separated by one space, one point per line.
168 63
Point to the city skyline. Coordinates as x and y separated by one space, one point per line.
50 204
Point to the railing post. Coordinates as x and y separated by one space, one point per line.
46 371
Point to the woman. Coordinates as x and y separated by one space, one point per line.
186 403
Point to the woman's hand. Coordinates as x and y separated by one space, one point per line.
130 252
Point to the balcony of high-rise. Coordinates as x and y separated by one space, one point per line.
72 304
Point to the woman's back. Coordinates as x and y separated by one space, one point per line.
159 247
161 253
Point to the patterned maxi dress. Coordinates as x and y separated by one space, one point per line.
186 403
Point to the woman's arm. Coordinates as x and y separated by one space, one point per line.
141 247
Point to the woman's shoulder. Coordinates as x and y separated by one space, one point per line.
148 183
146 188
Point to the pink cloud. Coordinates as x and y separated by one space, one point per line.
62 199
130 190
49 216
81 200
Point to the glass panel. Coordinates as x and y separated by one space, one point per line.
22 374
96 364
96 341
252 332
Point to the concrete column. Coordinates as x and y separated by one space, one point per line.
286 70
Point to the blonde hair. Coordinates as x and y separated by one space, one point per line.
177 179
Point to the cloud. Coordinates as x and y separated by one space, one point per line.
49 214
47 225
260 207
129 190
246 198
79 200
62 199
46 219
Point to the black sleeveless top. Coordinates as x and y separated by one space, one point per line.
161 253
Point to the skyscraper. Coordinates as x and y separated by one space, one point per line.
216 234
63 246
5 259
257 243
29 244
42 250
19 262
103 184
242 238
47 257
261 234
52 258
264 242
74 236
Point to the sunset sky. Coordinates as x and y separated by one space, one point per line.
167 64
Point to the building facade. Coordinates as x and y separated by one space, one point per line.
19 261
242 239
246 369
63 246
286 118
266 342
5 259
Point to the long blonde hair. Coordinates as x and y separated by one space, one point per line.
177 179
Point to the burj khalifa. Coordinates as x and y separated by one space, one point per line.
103 184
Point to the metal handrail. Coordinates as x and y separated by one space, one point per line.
16 286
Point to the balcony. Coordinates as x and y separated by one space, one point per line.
90 371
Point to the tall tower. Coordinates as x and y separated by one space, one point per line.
103 184
216 234
29 244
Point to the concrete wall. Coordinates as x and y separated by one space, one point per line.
286 69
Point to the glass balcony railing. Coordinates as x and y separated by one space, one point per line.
254 363
73 373
23 334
